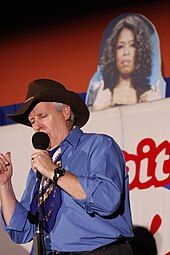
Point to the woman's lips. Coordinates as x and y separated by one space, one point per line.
125 62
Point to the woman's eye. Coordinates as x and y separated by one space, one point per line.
132 45
119 47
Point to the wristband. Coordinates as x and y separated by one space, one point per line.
58 172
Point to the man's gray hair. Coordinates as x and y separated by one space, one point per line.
59 107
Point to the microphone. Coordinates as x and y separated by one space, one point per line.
40 140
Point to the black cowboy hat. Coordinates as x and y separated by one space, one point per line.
46 90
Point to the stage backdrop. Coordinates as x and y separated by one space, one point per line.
142 131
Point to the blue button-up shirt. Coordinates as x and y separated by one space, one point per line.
103 216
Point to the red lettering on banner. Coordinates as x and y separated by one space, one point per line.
155 225
147 151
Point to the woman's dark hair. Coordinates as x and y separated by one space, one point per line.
143 61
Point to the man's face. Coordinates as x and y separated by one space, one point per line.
46 118
125 52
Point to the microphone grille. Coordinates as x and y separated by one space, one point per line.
40 140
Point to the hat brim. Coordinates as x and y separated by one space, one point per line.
67 97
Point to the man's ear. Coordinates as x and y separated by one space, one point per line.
66 110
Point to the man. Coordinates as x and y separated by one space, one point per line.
94 214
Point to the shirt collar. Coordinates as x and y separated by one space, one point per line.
73 137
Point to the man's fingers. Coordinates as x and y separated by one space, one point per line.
8 157
4 160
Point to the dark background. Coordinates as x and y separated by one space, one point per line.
16 16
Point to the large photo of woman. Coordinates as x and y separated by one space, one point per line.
129 69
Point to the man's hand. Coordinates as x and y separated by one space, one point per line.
6 168
41 161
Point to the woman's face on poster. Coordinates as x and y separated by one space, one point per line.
125 52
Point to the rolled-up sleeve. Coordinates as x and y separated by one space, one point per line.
20 229
104 185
